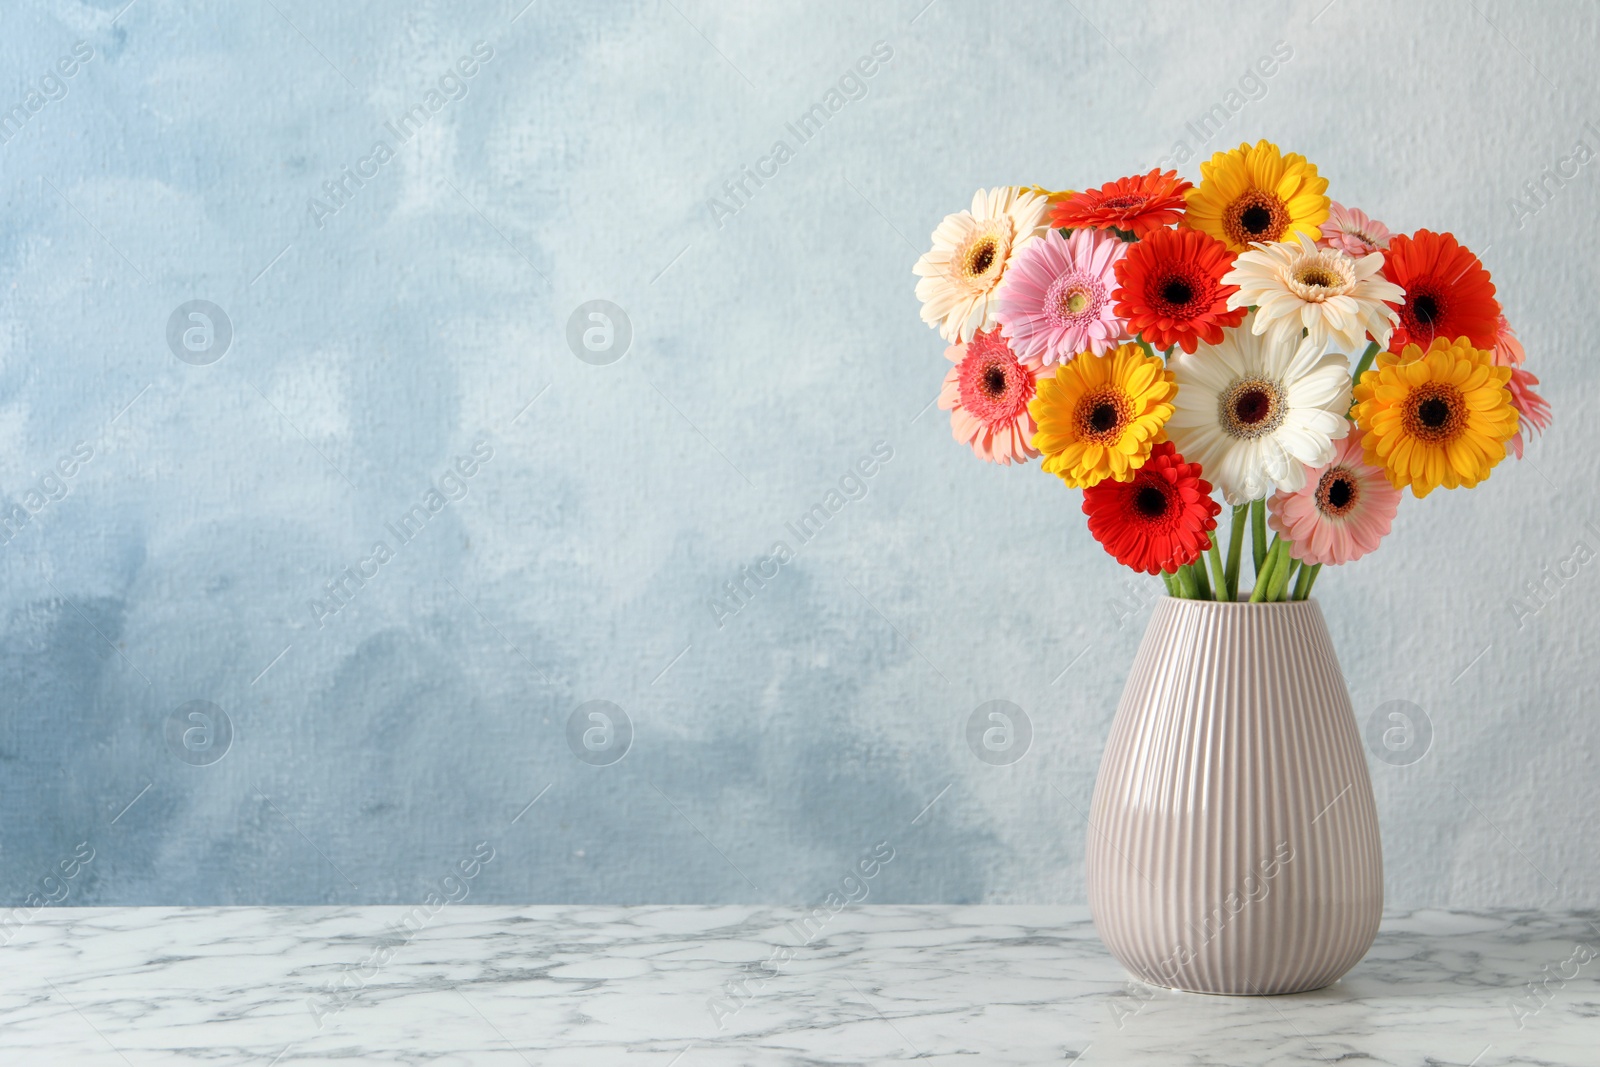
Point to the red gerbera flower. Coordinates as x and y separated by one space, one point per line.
1140 204
1448 293
1170 289
1160 520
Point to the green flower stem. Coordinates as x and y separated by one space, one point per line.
1301 582
1305 594
1280 571
1241 514
1170 580
1258 534
1151 352
1201 583
1219 577
1366 362
1281 576
1264 575
1185 579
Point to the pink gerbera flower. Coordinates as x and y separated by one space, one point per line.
987 394
1533 410
1507 349
1341 513
1352 231
1056 299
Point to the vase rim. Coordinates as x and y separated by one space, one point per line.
1244 602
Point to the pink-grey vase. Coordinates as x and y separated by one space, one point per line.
1233 838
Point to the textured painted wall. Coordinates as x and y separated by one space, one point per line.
395 214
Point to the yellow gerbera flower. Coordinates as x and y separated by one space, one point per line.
1440 417
1100 415
1053 198
1257 194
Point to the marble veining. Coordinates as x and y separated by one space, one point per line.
703 986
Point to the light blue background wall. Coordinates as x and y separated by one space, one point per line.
373 747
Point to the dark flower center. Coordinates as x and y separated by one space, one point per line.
983 257
1251 406
993 386
1255 219
1177 291
994 380
1102 416
1433 413
1425 308
1255 215
1150 502
1337 492
1436 413
1122 203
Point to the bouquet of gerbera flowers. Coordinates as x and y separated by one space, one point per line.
1156 341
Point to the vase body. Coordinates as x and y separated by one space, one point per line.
1233 840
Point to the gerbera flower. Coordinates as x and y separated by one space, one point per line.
1440 417
1257 194
1053 196
1137 205
1159 520
1256 412
1507 349
1336 298
1448 294
1170 289
1352 231
1533 409
970 254
1341 513
1056 300
987 394
1099 415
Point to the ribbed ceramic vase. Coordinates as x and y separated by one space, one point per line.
1233 839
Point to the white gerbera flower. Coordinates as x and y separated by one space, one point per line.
1337 298
1256 411
970 254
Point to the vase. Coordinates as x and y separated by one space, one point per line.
1233 838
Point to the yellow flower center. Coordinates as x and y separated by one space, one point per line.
979 261
1322 274
982 257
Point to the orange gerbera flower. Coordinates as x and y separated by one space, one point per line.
1137 205
1170 290
1448 293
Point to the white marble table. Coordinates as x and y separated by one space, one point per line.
591 986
